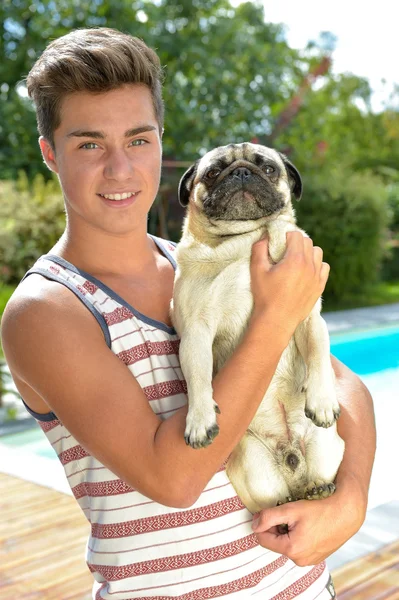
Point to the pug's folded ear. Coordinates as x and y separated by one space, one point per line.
186 184
294 177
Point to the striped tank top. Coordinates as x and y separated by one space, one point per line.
138 548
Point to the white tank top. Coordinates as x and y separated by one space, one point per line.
139 548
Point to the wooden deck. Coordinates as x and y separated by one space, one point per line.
43 535
42 539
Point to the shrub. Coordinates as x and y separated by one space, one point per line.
32 218
347 215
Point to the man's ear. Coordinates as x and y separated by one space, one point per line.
186 184
48 154
294 177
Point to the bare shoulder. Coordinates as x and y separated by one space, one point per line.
39 303
41 320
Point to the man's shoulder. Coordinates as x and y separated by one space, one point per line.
39 300
35 293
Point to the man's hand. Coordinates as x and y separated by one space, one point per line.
316 528
288 290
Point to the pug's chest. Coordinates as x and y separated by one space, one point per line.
233 302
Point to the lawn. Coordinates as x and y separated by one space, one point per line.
381 293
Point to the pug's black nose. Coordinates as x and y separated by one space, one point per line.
242 173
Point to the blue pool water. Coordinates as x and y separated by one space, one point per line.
33 440
368 351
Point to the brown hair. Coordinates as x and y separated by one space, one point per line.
91 60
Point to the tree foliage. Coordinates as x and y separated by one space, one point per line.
229 76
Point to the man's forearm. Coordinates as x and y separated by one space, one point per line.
356 426
238 389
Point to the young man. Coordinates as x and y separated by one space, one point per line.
88 338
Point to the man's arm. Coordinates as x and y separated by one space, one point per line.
318 528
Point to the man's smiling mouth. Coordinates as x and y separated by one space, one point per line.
122 196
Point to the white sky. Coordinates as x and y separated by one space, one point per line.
367 32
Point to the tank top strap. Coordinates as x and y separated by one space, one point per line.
56 269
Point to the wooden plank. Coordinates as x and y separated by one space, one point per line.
30 507
42 551
356 572
28 523
19 548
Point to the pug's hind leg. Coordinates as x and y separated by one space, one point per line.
311 338
324 452
196 361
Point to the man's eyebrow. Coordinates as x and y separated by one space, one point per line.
100 135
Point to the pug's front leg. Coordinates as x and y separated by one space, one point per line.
196 361
312 340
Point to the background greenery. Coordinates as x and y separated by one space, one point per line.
230 76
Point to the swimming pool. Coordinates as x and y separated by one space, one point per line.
32 440
369 351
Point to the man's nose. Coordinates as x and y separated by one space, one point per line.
118 165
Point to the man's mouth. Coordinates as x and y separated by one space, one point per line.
122 196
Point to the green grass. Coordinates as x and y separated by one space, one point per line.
381 293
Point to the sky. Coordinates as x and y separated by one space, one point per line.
367 32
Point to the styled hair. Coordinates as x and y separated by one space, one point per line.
91 60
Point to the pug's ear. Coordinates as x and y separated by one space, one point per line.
294 177
186 184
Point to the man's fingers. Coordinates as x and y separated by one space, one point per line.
317 256
260 254
308 248
276 543
324 272
270 517
265 525
295 241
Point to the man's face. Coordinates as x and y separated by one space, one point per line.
107 144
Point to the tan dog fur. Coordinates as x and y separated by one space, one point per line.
284 455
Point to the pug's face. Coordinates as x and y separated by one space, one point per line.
240 182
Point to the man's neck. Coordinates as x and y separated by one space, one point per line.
128 255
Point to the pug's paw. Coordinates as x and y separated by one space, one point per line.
201 425
322 411
316 490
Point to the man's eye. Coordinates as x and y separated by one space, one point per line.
138 142
89 146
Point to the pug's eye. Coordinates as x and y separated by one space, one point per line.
213 173
269 170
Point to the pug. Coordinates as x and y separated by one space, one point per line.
235 195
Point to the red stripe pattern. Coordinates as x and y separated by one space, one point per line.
74 453
165 389
118 315
302 584
102 488
180 561
141 351
167 521
48 425
243 583
90 287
